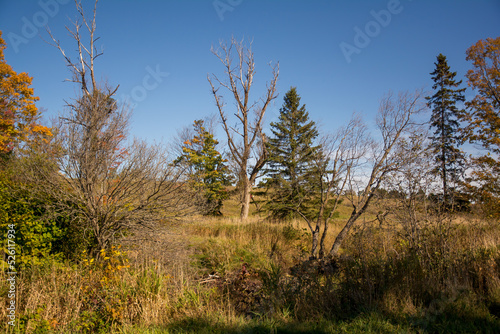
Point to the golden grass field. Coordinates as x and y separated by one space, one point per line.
219 275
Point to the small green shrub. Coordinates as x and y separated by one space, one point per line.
33 235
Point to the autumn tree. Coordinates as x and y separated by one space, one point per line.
108 184
482 121
449 160
245 138
19 116
208 173
352 167
292 153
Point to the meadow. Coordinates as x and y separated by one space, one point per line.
219 275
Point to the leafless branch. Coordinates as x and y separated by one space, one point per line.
239 67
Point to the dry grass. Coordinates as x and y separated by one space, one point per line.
222 275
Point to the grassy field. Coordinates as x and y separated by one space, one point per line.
218 275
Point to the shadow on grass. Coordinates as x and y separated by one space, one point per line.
197 325
372 322
368 323
457 323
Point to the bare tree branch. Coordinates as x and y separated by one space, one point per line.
238 84
107 184
394 120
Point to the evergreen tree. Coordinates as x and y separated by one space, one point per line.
291 152
445 141
209 174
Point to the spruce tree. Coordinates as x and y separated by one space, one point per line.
209 174
290 165
445 140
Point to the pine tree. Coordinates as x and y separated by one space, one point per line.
290 163
209 175
445 141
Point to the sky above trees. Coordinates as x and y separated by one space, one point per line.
341 55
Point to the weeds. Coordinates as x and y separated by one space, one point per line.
228 277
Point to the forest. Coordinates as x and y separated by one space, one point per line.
266 228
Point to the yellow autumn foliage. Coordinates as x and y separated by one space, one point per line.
18 112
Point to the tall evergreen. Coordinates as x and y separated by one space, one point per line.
445 139
292 153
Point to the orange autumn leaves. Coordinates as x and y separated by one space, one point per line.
484 109
482 119
18 113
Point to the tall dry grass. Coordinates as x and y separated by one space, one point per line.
221 275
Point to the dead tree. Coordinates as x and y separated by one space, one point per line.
340 155
108 185
245 139
413 181
395 120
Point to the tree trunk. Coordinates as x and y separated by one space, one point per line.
245 199
343 234
443 159
314 247
321 252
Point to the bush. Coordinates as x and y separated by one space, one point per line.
35 237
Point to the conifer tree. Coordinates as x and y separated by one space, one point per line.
445 140
291 154
209 174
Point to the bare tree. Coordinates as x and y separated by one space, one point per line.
341 153
345 159
395 120
109 185
245 139
413 181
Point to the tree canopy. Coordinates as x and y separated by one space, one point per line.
19 115
482 119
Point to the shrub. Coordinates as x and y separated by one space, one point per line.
35 237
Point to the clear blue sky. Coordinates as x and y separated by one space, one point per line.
306 37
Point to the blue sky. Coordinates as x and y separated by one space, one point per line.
312 40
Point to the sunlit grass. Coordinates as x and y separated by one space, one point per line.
221 275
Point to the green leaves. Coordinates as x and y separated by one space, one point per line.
209 174
35 236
